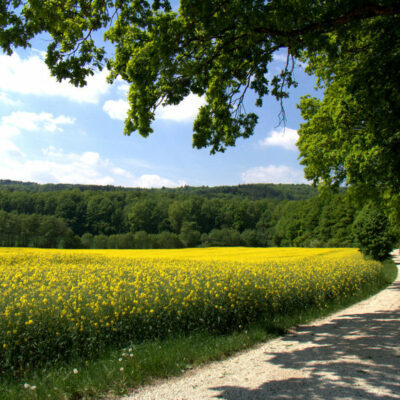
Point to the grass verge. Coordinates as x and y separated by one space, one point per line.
116 371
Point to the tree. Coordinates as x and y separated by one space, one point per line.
87 240
167 240
189 211
99 212
100 241
189 235
372 232
352 135
51 231
146 214
217 48
222 49
71 208
249 237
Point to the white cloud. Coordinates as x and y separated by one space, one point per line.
30 76
116 109
123 88
7 131
10 128
7 146
52 151
58 166
34 122
9 150
286 138
186 110
6 100
40 53
74 168
281 57
155 181
121 172
273 174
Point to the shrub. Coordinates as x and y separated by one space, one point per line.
372 232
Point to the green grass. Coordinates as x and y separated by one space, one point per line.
160 359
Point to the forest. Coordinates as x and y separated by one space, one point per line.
258 215
349 138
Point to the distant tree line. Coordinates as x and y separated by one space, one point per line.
247 215
255 191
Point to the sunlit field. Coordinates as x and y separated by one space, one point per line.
57 304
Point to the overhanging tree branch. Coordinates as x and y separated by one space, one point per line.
326 25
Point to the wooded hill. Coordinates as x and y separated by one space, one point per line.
79 216
250 191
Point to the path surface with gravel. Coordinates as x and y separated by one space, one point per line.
352 354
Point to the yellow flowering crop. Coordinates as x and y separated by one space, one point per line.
57 303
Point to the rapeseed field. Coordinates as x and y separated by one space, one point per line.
58 304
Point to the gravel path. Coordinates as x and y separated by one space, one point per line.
353 354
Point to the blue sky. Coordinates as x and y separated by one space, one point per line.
56 133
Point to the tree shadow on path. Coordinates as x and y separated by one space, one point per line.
355 356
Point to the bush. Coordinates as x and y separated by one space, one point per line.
249 237
100 241
87 240
372 232
142 240
70 241
224 237
167 240
189 236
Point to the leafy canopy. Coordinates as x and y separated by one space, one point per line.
372 233
353 133
222 49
